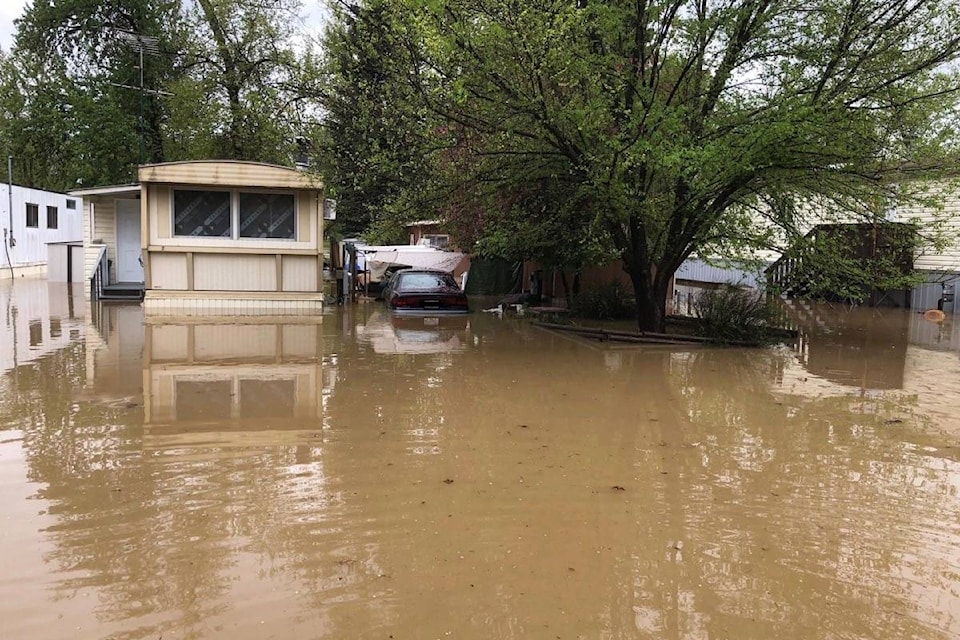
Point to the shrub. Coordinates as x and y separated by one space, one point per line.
731 314
606 302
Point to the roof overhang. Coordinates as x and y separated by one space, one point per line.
114 190
228 173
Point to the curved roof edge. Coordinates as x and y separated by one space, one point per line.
228 173
216 161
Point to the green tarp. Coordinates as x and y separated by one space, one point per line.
494 277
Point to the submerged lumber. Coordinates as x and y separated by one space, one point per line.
641 337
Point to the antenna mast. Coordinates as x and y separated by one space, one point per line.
142 44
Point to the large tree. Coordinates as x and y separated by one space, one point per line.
376 138
71 100
672 122
219 79
243 90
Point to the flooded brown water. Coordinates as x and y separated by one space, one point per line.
354 477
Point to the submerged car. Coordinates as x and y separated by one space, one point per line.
424 292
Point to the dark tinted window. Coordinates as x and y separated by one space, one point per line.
33 215
201 213
426 281
267 215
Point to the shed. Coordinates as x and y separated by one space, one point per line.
65 261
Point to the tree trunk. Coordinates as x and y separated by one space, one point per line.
236 115
232 77
154 141
567 293
651 296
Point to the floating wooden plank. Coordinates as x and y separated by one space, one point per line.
640 337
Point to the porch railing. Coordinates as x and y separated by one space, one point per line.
101 275
784 277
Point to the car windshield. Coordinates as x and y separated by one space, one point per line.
422 281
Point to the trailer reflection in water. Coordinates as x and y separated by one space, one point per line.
232 383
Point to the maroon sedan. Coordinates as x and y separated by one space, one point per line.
424 292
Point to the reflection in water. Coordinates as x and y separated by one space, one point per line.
881 360
301 480
36 318
208 382
862 348
413 334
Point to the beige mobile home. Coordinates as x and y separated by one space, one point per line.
209 238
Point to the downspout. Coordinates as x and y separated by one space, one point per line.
7 244
13 242
6 250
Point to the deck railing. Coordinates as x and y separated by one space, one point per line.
783 276
101 275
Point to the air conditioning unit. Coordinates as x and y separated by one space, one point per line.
329 209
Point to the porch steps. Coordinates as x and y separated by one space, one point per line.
123 291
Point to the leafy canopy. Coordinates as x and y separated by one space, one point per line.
221 79
672 124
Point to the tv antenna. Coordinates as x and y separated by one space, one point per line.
149 45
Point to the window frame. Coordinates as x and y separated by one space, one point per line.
173 213
71 204
32 210
234 193
437 240
56 217
291 195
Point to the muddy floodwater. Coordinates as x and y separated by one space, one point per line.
353 476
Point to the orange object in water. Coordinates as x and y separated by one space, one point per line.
935 315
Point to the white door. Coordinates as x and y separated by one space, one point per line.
129 268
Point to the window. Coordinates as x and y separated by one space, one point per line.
236 215
267 215
71 204
51 217
33 215
437 240
426 281
202 213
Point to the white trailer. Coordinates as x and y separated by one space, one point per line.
32 220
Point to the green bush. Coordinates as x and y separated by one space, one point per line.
607 302
731 314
